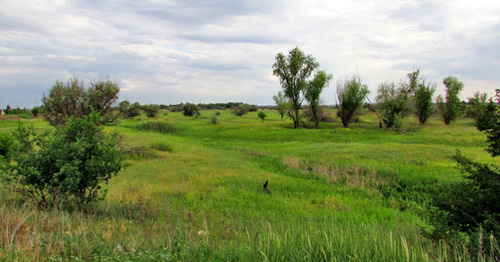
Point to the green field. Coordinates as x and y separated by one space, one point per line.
356 194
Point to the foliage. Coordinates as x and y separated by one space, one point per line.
313 91
72 99
262 115
393 104
214 120
151 110
73 163
469 205
217 113
475 104
422 100
36 110
282 103
160 127
450 106
191 110
128 110
294 71
493 131
6 145
350 94
240 110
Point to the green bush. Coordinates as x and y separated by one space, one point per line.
6 145
239 110
71 164
151 110
262 115
160 127
190 110
217 113
214 120
160 146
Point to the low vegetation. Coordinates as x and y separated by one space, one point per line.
197 194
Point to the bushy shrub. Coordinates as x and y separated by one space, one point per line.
151 110
351 93
262 115
190 110
239 110
161 127
214 120
217 113
422 100
6 145
128 110
71 164
450 106
72 99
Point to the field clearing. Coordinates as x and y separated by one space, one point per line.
336 194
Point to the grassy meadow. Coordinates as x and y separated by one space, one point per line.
195 192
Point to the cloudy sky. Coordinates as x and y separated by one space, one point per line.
172 51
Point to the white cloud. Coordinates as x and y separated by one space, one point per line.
177 51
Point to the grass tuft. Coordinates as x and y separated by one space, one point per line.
160 127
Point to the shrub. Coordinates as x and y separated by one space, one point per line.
217 113
72 99
71 164
239 110
214 120
6 145
351 94
469 205
393 104
422 99
190 110
160 146
151 110
450 105
262 115
161 127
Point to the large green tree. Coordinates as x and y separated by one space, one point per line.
422 99
294 71
350 94
450 105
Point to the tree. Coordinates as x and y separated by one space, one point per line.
72 99
262 115
450 106
282 103
151 110
294 71
313 91
73 163
350 94
36 110
422 99
493 131
190 110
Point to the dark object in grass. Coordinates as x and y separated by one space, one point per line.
265 187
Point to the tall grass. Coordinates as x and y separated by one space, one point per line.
161 127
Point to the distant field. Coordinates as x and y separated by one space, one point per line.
336 194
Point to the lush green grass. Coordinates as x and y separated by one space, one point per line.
336 194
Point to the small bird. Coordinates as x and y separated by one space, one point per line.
265 187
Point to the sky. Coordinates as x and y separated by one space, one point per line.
173 51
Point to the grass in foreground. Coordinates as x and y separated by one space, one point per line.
336 194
